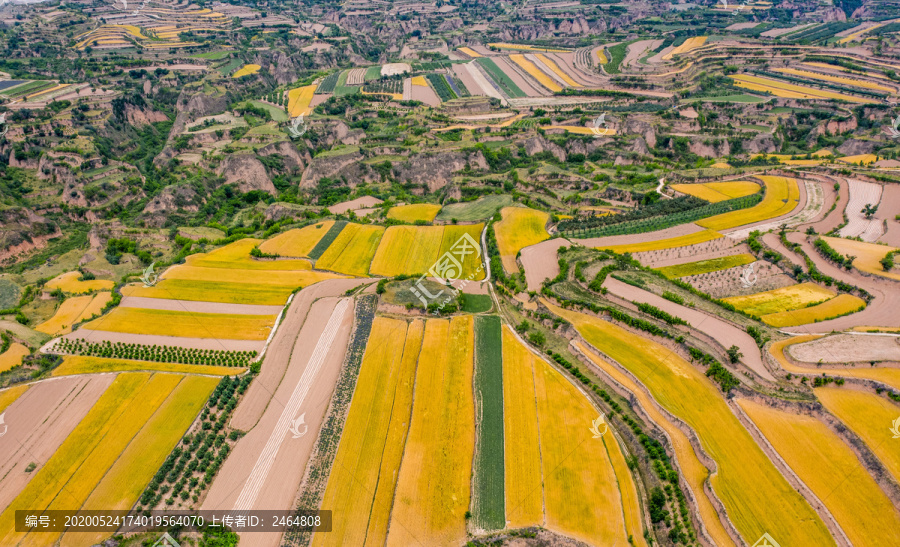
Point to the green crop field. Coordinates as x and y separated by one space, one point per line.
212 55
480 209
476 303
9 294
226 69
327 239
327 85
488 485
278 114
441 87
341 88
505 82
373 73
31 87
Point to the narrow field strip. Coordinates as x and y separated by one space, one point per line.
70 282
792 91
236 256
838 79
838 306
352 250
84 364
488 481
669 243
779 300
782 196
535 72
297 243
179 324
9 395
825 463
520 227
72 311
551 64
715 192
414 212
886 375
706 266
213 291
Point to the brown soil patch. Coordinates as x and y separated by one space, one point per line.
716 248
631 239
724 283
834 218
540 261
354 204
424 94
278 354
39 421
773 241
181 342
887 212
847 348
197 307
257 477
723 332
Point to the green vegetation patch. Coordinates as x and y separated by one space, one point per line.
475 303
496 73
227 69
212 55
488 488
276 113
616 56
327 239
480 209
373 73
9 294
706 266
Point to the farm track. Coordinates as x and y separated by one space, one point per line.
832 219
267 465
723 332
39 421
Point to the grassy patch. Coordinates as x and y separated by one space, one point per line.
706 266
278 114
480 209
327 239
488 499
476 303
9 294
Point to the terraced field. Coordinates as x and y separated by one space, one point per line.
782 196
411 213
535 72
792 91
842 304
414 250
668 243
71 282
352 250
706 266
781 300
715 192
173 323
519 228
297 243
868 255
74 310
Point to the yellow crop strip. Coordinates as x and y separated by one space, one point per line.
535 72
715 192
840 305
866 413
296 243
8 396
371 445
352 250
69 282
519 228
409 250
522 451
838 79
887 375
470 52
819 456
84 364
782 196
672 242
299 99
419 81
414 212
237 256
601 57
868 255
784 89
272 278
861 159
230 293
433 488
688 45
145 453
779 300
246 70
758 499
194 325
75 452
693 470
73 310
454 239
556 70
13 356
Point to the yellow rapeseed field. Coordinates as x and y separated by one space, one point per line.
234 275
236 255
12 356
296 243
299 99
840 305
820 457
381 406
229 293
413 250
535 72
551 64
778 300
419 81
414 212
353 250
688 45
194 325
84 364
123 483
115 405
855 82
70 282
519 228
758 499
868 255
782 196
693 471
246 70
470 52
886 375
522 451
861 159
791 91
433 489
715 192
866 413
672 242
9 395
601 57
73 310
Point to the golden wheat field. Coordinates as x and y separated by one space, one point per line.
524 47
468 51
551 64
85 364
433 488
363 476
688 45
72 311
414 212
535 72
706 266
865 413
841 304
669 243
225 292
195 325
519 228
855 82
299 99
820 457
791 91
70 282
868 255
715 192
246 70
758 499
13 356
859 159
414 250
792 297
782 196
296 243
353 250
236 256
9 395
